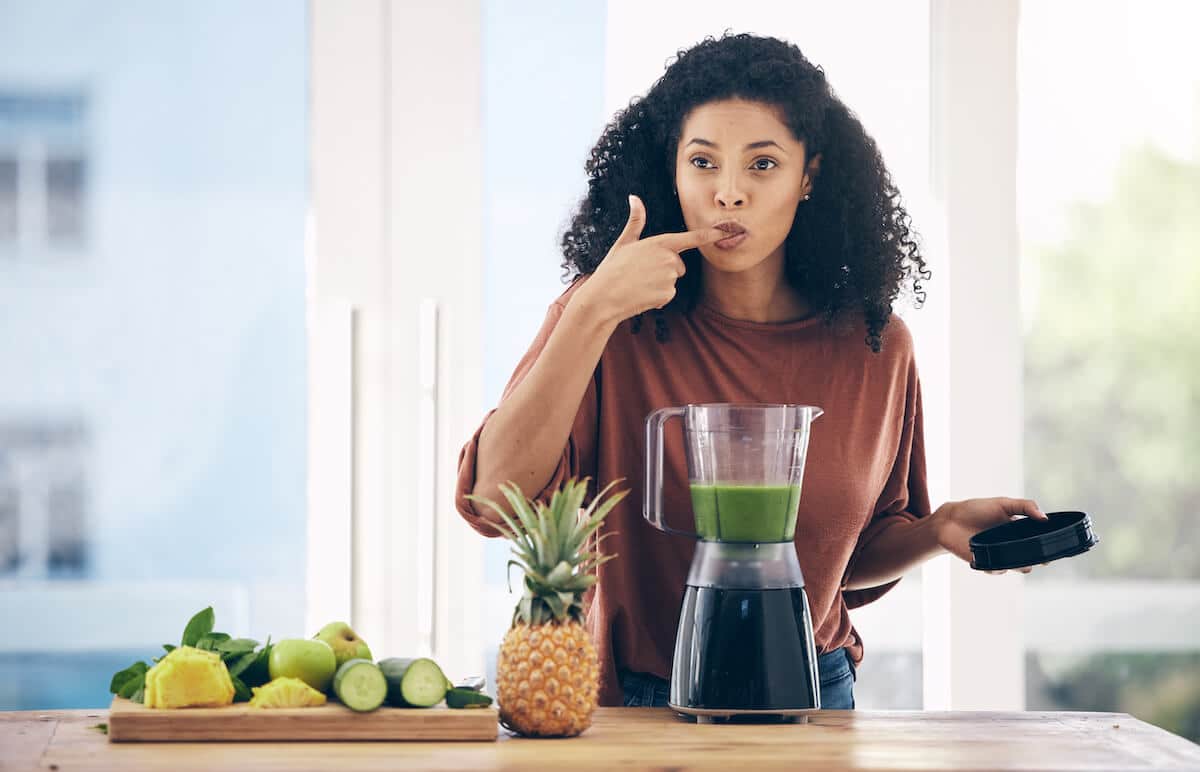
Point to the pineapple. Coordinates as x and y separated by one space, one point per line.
286 692
548 673
188 677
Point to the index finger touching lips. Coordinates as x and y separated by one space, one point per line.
681 242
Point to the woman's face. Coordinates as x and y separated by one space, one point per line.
737 161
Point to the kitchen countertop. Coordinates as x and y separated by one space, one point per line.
652 738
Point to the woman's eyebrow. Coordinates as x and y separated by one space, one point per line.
751 146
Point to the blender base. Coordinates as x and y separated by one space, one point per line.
744 652
709 716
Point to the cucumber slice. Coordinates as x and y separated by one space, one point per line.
414 682
474 683
360 685
467 698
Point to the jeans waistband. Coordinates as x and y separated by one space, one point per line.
828 663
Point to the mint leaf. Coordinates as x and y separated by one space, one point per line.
139 695
135 671
198 626
235 647
241 692
168 647
132 686
211 641
241 663
259 671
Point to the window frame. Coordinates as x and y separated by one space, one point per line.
394 336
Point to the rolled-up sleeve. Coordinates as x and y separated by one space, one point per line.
905 495
577 455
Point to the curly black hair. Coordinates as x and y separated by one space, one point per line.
851 248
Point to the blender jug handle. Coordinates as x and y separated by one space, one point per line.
652 506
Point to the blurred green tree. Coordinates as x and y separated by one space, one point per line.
1112 417
1112 372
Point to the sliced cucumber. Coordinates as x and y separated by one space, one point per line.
467 698
414 682
360 685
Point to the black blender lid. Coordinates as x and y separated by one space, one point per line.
1028 542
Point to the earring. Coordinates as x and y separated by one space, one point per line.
807 196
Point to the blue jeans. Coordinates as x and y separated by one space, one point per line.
837 672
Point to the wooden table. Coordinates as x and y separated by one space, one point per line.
651 738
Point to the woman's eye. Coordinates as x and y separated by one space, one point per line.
756 166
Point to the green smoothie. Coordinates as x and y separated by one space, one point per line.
745 512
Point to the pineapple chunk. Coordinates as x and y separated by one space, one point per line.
189 677
286 692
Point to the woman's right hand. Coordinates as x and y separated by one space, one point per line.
639 274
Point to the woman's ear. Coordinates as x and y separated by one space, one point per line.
810 173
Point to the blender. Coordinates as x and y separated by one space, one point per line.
744 645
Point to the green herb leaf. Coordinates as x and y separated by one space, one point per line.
101 728
133 685
139 695
242 662
135 671
241 692
198 626
235 647
211 641
259 671
168 647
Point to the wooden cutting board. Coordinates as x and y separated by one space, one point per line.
130 721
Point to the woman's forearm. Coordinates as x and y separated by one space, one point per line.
896 551
524 438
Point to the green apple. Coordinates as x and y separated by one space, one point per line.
345 642
311 661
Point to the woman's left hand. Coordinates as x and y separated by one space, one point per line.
958 521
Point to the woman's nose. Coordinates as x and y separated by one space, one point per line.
729 191
728 197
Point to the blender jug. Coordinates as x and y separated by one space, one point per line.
744 644
745 466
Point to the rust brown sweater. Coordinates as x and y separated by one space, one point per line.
865 470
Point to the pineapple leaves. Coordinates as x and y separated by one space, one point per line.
593 517
521 508
524 610
564 525
556 604
548 545
508 572
560 573
513 532
579 582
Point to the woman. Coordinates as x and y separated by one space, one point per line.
744 207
